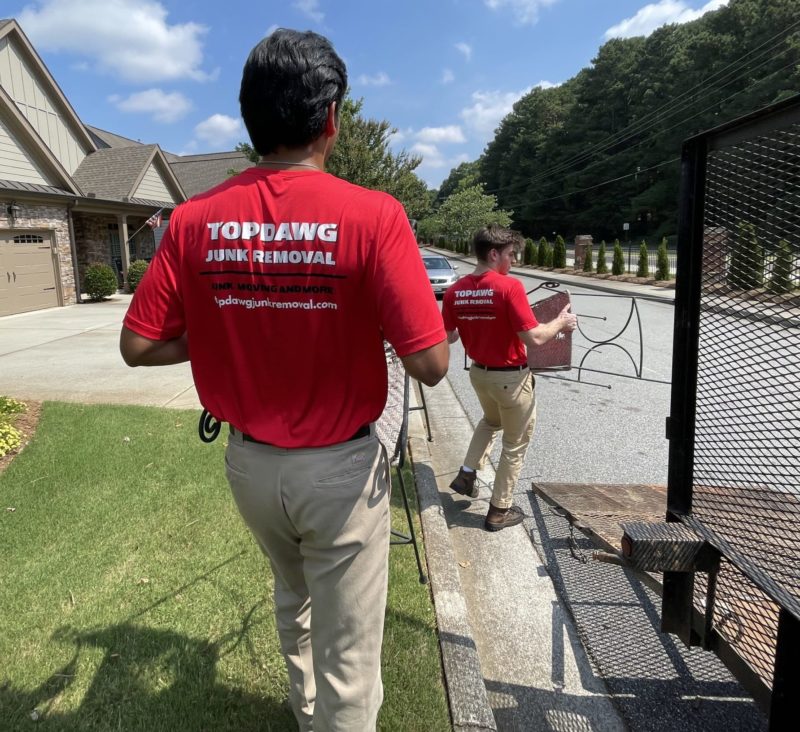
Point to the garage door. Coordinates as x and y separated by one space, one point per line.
27 273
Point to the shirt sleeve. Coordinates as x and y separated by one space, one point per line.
520 314
156 310
448 316
407 309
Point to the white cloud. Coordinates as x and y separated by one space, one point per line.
451 133
379 79
163 107
447 76
431 155
526 12
219 130
310 8
128 38
488 108
653 16
547 84
464 48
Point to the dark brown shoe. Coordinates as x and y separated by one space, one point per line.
464 483
502 518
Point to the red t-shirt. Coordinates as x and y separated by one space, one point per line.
489 310
286 283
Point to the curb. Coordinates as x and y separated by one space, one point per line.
466 691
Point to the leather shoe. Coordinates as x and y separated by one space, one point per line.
502 518
464 483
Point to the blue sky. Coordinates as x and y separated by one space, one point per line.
443 72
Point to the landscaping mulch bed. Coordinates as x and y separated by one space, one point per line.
26 423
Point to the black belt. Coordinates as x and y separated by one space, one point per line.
522 367
362 431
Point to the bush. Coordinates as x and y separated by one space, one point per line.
662 261
747 259
559 253
100 282
643 270
135 273
11 406
549 256
529 256
541 253
10 437
618 261
587 259
602 266
781 280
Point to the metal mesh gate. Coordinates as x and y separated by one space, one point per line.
735 422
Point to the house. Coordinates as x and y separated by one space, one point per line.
72 195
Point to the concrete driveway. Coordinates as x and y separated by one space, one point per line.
72 354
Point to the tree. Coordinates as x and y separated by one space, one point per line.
559 253
587 259
530 252
463 213
747 259
643 270
662 261
549 255
464 176
781 280
617 261
541 252
602 265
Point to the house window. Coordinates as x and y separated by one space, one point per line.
28 239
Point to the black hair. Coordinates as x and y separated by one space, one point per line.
494 237
289 80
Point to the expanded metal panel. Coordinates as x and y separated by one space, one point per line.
735 454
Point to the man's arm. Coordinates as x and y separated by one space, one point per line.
452 336
429 365
565 321
137 350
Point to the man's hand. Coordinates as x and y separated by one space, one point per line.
565 322
568 320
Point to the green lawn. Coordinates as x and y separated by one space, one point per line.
133 598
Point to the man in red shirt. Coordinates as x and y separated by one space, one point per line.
491 314
279 286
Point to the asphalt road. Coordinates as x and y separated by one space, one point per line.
595 434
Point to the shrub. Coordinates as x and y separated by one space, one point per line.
541 253
11 406
618 261
602 266
100 282
781 280
10 437
747 259
643 270
529 256
587 259
548 255
559 253
135 273
662 261
442 243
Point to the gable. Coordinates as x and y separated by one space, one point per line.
16 162
153 187
40 103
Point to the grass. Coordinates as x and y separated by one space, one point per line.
134 598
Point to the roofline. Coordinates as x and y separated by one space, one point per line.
24 127
163 163
49 78
84 204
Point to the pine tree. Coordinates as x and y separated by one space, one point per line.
548 255
587 259
643 270
781 280
530 252
747 259
662 261
618 261
559 253
602 266
541 253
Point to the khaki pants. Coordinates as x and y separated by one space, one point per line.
321 515
509 404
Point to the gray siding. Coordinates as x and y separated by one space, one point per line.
153 188
39 105
15 162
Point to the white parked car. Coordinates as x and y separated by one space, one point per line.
441 273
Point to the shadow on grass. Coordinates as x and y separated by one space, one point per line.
135 661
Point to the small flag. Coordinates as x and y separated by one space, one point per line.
155 220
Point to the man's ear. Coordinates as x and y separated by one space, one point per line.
331 122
